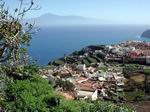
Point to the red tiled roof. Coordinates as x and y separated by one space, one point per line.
134 54
89 86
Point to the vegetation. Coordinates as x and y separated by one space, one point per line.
96 106
134 95
100 106
104 68
22 87
32 93
78 53
28 95
86 62
147 81
95 57
138 77
70 106
87 59
58 62
20 72
14 36
129 69
35 94
147 72
91 60
101 55
66 85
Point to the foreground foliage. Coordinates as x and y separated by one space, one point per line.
28 95
96 106
35 94
15 35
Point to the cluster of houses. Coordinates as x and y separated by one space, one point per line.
129 52
89 82
93 82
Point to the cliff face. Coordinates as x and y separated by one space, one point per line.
146 34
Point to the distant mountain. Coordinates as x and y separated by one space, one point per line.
55 20
146 34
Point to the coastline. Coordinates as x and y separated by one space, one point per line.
55 42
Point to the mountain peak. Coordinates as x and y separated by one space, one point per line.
49 14
50 19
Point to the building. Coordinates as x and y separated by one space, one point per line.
81 67
86 94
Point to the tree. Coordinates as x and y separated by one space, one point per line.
28 95
13 34
147 72
22 72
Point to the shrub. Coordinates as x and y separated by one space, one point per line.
104 68
58 62
70 106
147 72
134 95
101 106
132 68
66 85
28 95
21 71
86 62
92 60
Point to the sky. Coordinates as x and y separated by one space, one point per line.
121 11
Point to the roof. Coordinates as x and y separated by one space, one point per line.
85 93
102 79
89 85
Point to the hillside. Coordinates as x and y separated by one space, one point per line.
146 34
57 20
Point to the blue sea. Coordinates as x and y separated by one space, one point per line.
53 42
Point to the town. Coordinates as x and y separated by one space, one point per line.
116 73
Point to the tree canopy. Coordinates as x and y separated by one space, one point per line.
147 72
28 95
14 35
25 90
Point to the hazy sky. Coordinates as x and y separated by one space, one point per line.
124 11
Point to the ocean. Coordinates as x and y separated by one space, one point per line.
53 42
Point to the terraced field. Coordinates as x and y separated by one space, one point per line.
88 60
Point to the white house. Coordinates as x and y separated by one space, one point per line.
103 93
81 67
102 79
83 94
119 80
108 47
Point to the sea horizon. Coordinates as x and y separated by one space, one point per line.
53 42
